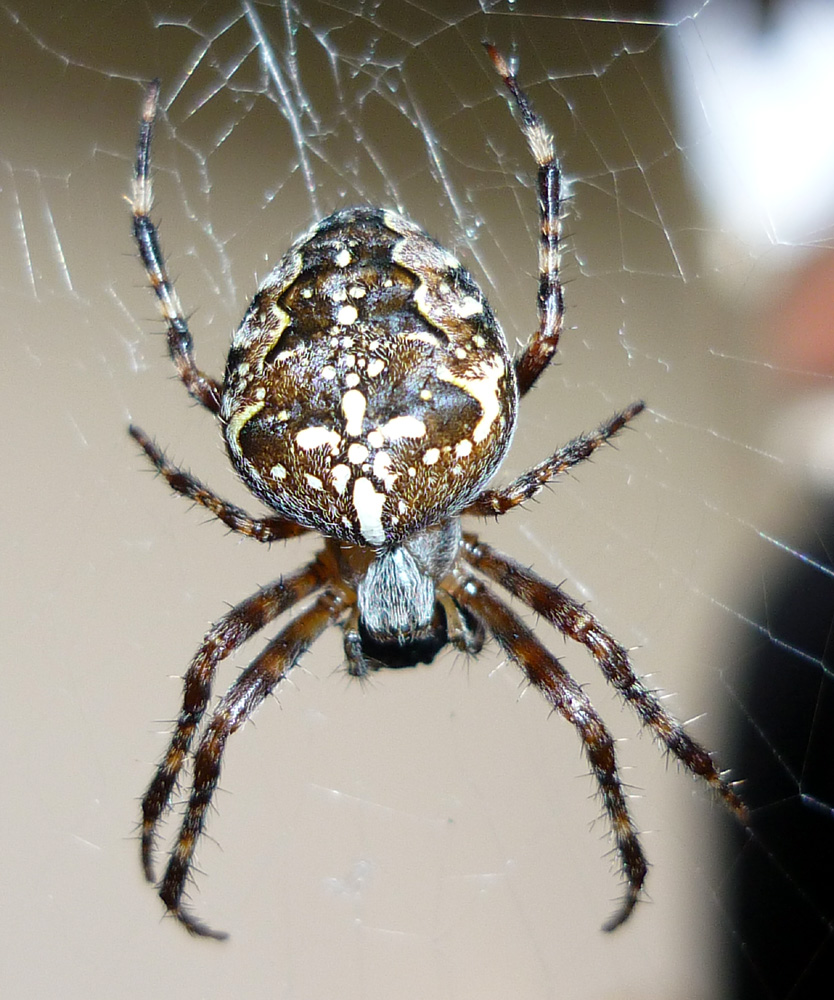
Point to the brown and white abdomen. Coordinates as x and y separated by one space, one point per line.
369 389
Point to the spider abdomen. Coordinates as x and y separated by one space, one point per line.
369 390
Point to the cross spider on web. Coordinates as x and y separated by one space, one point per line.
369 396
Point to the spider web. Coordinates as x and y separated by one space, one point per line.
427 834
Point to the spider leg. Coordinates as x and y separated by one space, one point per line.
499 501
465 633
567 697
577 623
358 664
264 529
223 638
202 387
542 345
240 701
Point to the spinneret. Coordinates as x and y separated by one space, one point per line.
370 396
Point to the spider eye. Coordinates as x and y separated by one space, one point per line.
396 599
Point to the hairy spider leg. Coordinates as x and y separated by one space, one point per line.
222 639
253 685
265 529
202 387
493 502
577 623
545 672
541 347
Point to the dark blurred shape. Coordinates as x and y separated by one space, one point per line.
782 879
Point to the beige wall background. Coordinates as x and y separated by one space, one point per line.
433 833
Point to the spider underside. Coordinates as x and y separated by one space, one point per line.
369 396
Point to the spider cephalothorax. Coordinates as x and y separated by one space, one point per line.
370 396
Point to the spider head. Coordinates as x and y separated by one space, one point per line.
401 617
396 597
397 588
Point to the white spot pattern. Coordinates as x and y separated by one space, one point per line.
340 475
317 437
403 427
382 469
357 453
368 505
469 307
346 315
353 407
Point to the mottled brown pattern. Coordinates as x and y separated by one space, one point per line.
368 304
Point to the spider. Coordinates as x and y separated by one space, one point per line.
370 396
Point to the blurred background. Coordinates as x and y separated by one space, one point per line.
386 840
